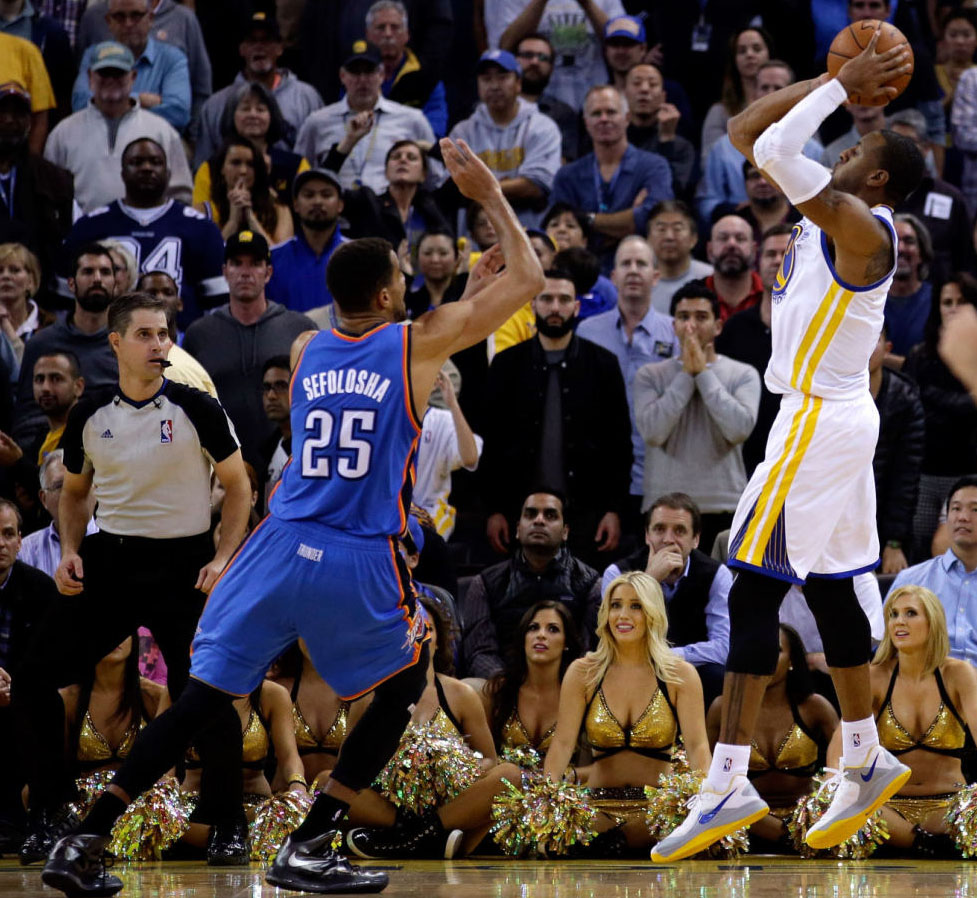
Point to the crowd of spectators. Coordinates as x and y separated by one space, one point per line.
612 424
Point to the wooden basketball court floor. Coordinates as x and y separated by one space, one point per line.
756 877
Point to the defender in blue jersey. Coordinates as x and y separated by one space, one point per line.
324 564
162 234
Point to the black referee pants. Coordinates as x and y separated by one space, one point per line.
129 582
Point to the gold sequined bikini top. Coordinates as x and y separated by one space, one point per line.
255 744
799 753
652 735
93 748
307 741
515 734
946 735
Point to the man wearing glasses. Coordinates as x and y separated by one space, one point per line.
162 83
535 54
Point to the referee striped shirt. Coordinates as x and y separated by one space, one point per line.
150 460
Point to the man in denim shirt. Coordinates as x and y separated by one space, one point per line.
953 575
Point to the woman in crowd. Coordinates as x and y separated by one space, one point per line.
790 744
924 702
124 266
959 43
321 719
20 279
253 113
749 48
107 709
404 211
241 195
951 415
522 702
437 261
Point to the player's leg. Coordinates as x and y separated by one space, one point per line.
869 775
727 801
77 632
306 861
380 647
242 630
177 608
77 865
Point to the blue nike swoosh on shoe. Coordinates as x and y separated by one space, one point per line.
707 817
865 778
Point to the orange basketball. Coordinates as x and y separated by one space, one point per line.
849 42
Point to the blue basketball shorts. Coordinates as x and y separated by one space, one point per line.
349 597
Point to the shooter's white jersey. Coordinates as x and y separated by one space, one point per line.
824 330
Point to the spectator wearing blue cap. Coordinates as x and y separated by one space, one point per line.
162 82
352 137
617 184
574 27
513 138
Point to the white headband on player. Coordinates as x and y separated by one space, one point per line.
779 149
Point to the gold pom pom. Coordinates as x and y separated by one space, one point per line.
542 817
428 769
276 819
89 788
151 823
961 821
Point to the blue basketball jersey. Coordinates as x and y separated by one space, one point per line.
354 434
175 238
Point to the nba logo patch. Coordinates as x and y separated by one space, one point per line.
727 765
856 739
166 431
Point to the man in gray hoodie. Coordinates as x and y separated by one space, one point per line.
512 137
235 341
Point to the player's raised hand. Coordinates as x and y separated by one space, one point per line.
487 269
866 74
473 177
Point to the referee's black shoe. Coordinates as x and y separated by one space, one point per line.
314 865
228 845
78 866
44 828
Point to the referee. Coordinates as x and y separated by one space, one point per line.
146 446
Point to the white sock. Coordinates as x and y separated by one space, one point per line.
727 761
858 738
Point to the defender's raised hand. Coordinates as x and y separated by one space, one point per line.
473 177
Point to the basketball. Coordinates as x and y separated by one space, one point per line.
849 42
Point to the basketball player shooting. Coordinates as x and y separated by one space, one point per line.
807 515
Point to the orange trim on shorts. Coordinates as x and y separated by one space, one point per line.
233 558
401 604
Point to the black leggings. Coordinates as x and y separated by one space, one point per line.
129 582
202 711
754 622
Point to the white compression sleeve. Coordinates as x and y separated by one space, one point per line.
779 149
